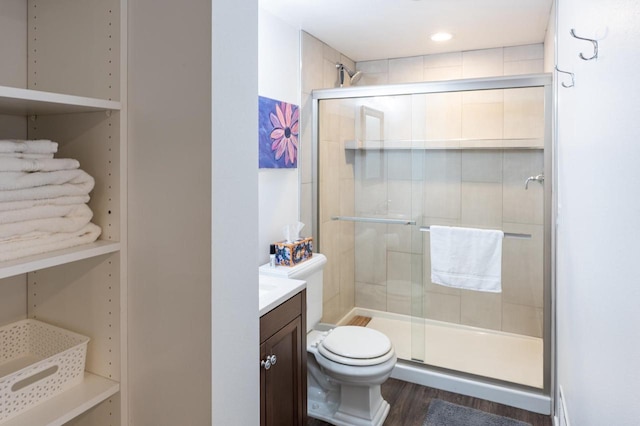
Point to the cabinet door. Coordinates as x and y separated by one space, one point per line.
282 401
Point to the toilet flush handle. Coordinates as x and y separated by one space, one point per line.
269 361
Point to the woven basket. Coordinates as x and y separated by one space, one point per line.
37 362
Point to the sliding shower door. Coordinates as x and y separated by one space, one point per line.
471 154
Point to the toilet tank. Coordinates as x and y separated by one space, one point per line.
311 272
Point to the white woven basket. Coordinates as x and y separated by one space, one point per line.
37 362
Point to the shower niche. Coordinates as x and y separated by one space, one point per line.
392 161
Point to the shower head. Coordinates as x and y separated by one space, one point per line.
354 76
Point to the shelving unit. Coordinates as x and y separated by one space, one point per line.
528 143
73 91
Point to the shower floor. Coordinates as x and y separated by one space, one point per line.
489 353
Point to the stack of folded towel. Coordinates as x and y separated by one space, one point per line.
43 200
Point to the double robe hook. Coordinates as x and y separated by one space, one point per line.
594 42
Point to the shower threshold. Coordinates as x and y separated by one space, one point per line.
494 354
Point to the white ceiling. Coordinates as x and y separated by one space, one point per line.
378 29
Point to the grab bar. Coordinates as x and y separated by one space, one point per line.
506 234
375 220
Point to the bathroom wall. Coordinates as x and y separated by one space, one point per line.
481 188
278 78
336 241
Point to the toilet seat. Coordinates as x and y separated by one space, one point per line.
356 346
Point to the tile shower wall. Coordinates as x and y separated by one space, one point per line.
476 188
337 238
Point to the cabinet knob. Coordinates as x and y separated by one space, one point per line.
269 361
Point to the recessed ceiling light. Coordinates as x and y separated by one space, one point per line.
441 36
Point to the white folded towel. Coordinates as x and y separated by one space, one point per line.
38 146
48 242
78 217
58 201
24 155
37 165
20 186
467 258
38 212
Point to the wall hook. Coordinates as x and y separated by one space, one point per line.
573 78
594 42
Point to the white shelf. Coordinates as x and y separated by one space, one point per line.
55 258
528 143
16 101
69 404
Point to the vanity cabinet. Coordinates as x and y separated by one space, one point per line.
283 364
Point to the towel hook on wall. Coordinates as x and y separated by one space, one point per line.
573 78
594 42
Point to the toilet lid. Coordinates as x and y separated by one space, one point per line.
357 343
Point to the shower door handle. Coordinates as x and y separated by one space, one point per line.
539 178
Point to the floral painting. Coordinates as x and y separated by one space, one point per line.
278 125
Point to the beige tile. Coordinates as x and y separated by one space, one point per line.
442 184
370 296
373 79
306 198
482 63
329 238
532 66
399 199
347 281
399 297
397 118
520 319
373 67
305 142
406 70
347 197
482 166
371 195
480 309
330 54
444 116
520 205
331 311
371 261
329 120
524 52
523 266
481 205
442 307
440 60
348 162
329 194
524 113
312 63
418 116
329 74
442 73
347 112
347 238
398 266
399 165
483 115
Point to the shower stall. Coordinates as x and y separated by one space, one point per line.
391 161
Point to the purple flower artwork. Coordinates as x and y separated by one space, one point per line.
278 126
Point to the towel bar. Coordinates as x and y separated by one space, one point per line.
506 234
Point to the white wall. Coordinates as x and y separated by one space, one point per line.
169 187
598 280
278 78
235 356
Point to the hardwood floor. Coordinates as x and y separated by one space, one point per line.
409 404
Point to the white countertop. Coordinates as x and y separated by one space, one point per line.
274 291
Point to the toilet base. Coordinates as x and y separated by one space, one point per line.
349 406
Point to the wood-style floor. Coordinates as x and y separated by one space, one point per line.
409 404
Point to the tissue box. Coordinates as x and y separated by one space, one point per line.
289 254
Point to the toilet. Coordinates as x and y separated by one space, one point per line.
346 365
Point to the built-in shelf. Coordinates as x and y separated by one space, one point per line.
528 143
16 101
55 258
69 404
